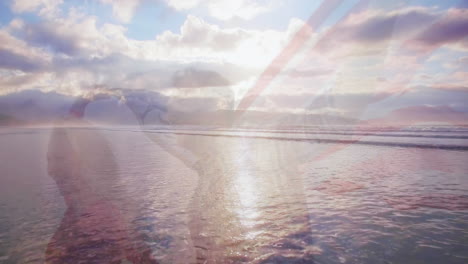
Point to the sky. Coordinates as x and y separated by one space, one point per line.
352 58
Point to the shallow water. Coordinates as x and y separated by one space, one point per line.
113 194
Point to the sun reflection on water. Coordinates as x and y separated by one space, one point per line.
246 190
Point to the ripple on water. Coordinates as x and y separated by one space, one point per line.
434 200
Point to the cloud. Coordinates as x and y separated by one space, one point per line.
78 54
81 36
192 77
244 9
202 41
16 54
112 71
120 71
452 27
75 35
410 29
47 35
372 44
14 81
309 73
196 33
451 87
42 7
224 9
123 10
72 36
372 28
463 61
457 81
11 60
182 4
381 27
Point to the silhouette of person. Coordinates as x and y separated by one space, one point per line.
95 228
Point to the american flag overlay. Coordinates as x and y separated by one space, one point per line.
249 131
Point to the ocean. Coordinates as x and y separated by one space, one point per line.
222 195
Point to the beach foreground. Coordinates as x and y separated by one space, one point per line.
117 195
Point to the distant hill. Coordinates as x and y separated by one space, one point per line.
137 107
414 115
34 106
6 120
255 118
144 107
